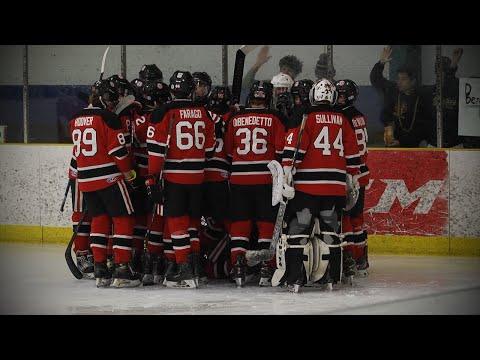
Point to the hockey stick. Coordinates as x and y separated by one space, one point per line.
69 185
160 178
102 70
68 252
238 71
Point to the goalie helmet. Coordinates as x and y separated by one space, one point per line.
282 81
348 89
301 88
182 84
155 91
260 90
219 99
150 72
323 92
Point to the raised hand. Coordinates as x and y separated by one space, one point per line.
263 55
456 56
386 55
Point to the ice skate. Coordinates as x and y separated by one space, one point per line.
85 264
148 261
110 264
183 279
158 270
239 271
197 267
266 273
124 276
103 277
362 267
349 268
170 270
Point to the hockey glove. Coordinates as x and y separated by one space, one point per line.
154 190
132 179
288 173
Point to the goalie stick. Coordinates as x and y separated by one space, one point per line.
238 71
253 257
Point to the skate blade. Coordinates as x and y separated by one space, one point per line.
184 284
123 283
147 280
362 273
101 282
239 282
265 282
158 279
294 289
89 276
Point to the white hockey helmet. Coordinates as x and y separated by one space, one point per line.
323 91
282 81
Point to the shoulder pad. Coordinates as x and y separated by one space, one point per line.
111 119
158 114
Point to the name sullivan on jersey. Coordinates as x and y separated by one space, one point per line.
328 119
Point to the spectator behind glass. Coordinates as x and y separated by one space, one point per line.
407 114
289 65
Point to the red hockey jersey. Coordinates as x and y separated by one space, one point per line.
358 121
190 142
254 138
328 150
140 127
99 153
217 167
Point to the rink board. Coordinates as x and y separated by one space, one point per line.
419 201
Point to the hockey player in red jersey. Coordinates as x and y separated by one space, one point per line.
353 226
154 94
326 154
103 167
186 131
255 136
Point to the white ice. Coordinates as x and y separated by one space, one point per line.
36 280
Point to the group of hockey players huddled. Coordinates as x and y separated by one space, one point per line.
176 184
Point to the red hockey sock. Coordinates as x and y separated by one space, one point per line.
100 228
122 238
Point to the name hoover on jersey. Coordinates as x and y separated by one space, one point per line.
328 119
190 114
84 121
252 120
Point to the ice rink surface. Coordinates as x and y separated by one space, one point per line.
36 280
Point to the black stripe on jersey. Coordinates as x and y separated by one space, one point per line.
155 148
102 171
217 164
353 161
83 229
288 154
122 152
319 175
249 168
155 238
122 242
141 160
238 243
128 139
364 169
187 165
209 154
73 163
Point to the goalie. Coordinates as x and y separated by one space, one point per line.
319 159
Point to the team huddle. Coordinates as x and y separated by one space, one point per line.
177 184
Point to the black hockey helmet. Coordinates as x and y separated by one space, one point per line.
202 77
261 90
123 87
106 91
347 88
301 88
150 72
155 91
182 84
137 85
219 98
